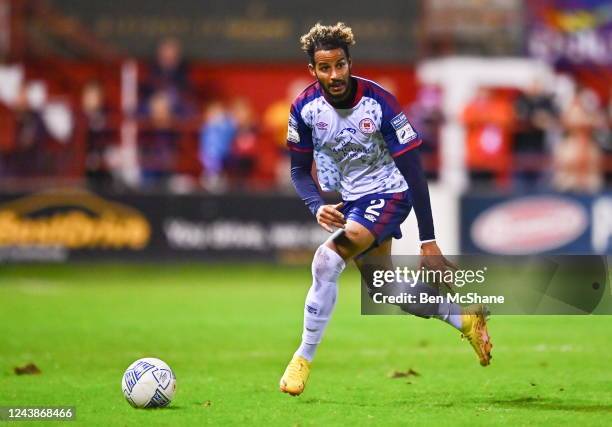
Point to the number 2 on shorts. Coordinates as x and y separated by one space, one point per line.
375 204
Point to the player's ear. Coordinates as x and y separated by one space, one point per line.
311 68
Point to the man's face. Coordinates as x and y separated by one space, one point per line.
333 71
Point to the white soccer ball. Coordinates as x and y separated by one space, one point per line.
148 383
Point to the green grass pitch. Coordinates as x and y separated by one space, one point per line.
229 330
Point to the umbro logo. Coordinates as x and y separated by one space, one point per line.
312 310
322 125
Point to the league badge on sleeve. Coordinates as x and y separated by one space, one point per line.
403 130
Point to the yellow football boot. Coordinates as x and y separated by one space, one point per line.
295 376
474 328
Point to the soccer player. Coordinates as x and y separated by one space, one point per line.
364 147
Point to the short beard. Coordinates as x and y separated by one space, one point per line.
344 96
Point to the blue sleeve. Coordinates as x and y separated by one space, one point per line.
299 142
301 166
299 135
409 164
395 128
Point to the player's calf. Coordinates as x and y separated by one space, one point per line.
320 301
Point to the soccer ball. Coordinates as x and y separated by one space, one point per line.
148 383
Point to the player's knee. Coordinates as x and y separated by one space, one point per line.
351 241
327 264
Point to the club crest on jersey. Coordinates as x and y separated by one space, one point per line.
322 126
367 126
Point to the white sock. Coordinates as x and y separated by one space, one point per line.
321 299
450 313
446 311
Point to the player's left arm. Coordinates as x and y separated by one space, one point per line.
403 144
409 164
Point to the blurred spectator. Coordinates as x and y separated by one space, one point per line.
610 109
7 124
608 145
169 73
158 142
578 158
276 115
27 157
488 119
537 119
216 136
100 136
427 118
275 122
245 144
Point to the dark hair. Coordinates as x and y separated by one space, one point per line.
327 37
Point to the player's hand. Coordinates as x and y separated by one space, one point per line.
329 216
432 258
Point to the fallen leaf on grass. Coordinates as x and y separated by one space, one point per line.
29 369
402 374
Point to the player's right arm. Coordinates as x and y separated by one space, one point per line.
299 142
